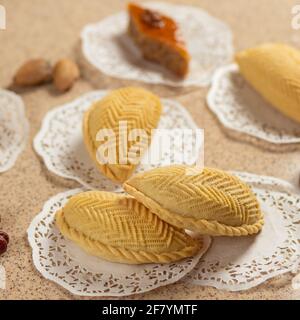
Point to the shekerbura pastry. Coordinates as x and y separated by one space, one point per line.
156 35
119 115
209 201
274 71
100 224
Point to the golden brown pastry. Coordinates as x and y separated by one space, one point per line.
102 226
156 35
135 107
210 201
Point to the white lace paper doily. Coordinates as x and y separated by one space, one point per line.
14 128
236 264
63 262
107 47
239 107
60 142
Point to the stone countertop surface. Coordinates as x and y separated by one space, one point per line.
47 28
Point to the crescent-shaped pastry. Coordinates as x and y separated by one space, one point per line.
274 71
100 224
209 201
120 115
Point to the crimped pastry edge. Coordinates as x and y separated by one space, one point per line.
118 254
205 227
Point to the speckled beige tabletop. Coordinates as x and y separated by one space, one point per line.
47 28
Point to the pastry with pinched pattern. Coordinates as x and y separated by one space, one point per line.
208 201
101 225
125 109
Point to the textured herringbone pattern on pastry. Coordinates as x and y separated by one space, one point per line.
103 226
274 71
139 108
211 202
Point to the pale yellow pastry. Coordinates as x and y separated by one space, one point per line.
274 71
120 113
211 201
100 224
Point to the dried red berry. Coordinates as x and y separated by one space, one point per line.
3 245
5 236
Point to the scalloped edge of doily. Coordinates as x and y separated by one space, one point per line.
285 185
35 256
37 141
20 107
219 73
